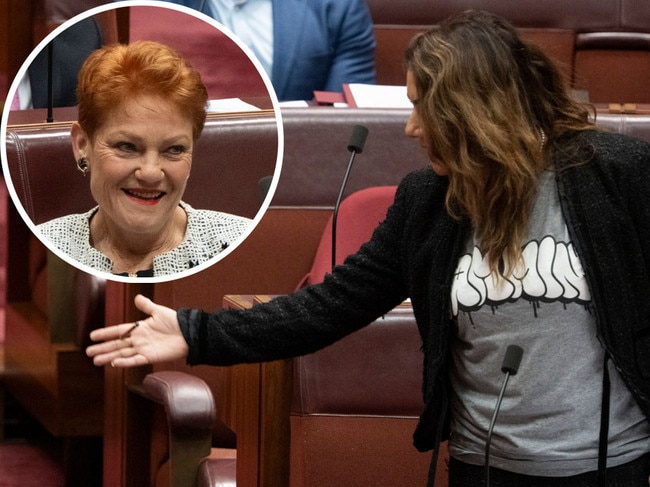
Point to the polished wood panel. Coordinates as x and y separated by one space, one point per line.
255 405
124 448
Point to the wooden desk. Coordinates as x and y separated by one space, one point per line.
255 404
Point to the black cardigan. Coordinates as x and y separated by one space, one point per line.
414 252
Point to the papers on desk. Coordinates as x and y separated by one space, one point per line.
361 95
376 96
230 105
294 104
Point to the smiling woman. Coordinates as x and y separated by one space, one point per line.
141 110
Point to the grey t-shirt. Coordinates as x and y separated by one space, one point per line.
549 420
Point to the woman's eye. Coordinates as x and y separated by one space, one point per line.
176 150
126 147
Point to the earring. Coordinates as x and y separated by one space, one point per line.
82 165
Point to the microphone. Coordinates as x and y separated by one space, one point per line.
510 366
355 146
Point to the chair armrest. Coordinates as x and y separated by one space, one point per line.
187 400
190 412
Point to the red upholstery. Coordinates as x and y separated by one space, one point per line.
42 169
355 407
355 403
316 155
190 416
49 14
358 216
177 395
226 71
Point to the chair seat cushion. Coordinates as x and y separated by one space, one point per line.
217 472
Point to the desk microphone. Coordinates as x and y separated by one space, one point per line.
510 366
357 141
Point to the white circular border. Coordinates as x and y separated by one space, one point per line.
141 3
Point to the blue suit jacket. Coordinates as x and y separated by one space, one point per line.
318 45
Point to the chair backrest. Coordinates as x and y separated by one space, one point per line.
355 402
226 70
355 405
358 216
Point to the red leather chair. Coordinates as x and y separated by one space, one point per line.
358 215
356 403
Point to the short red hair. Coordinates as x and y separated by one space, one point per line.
118 72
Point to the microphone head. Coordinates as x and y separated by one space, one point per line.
512 359
358 139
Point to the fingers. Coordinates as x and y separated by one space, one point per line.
120 353
116 345
110 349
144 304
112 332
117 360
134 361
141 302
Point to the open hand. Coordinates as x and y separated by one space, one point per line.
157 338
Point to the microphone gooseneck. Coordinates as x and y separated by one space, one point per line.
510 366
355 146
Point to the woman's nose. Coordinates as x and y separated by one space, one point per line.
150 168
412 128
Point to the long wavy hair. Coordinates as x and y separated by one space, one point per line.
491 107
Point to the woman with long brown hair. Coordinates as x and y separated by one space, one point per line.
531 227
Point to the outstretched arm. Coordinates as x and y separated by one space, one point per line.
155 339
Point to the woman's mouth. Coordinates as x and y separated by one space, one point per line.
144 197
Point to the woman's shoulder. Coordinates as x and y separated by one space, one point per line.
610 142
199 216
421 177
592 155
65 228
421 184
211 225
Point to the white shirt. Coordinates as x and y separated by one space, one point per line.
252 22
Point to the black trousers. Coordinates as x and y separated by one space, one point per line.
632 474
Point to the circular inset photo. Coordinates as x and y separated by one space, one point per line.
139 151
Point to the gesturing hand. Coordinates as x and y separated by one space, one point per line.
157 338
